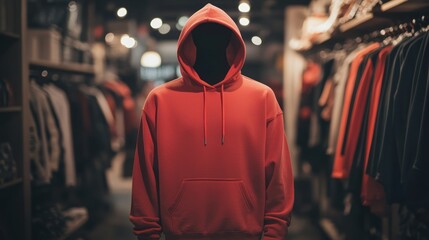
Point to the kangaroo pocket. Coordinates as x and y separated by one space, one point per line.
213 206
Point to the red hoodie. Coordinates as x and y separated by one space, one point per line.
211 161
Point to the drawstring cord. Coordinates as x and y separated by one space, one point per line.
205 117
223 114
205 114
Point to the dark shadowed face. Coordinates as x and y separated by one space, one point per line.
211 41
211 37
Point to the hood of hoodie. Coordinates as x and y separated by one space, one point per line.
186 50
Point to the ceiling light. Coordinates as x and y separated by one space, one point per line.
179 27
128 41
182 20
256 40
122 12
244 7
244 21
164 29
124 39
109 37
156 23
150 59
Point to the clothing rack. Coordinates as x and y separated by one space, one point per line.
410 27
73 68
43 72
384 19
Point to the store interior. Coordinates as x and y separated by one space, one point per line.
351 77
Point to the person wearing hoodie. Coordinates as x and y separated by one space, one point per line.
211 159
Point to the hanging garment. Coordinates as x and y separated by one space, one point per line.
340 81
127 103
385 153
117 142
358 114
62 110
80 121
372 193
212 161
34 153
50 149
373 160
341 168
409 108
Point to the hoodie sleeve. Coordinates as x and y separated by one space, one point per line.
278 176
144 212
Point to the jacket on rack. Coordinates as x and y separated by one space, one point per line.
342 165
211 161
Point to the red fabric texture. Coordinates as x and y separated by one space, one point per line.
112 106
343 162
211 161
128 104
372 192
311 76
358 111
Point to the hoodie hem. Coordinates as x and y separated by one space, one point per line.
220 236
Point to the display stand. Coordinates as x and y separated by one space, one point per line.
15 195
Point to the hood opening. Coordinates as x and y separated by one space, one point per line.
211 41
216 55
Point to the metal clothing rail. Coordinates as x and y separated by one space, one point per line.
75 68
385 17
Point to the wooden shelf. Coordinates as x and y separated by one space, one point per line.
357 23
8 35
370 22
74 226
10 109
66 67
403 6
365 23
323 39
381 18
7 39
11 183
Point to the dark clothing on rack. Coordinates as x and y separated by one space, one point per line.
382 146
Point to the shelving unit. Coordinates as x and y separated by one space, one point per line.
401 6
11 183
15 196
10 109
7 39
364 24
387 15
8 36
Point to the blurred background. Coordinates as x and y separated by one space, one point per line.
74 75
